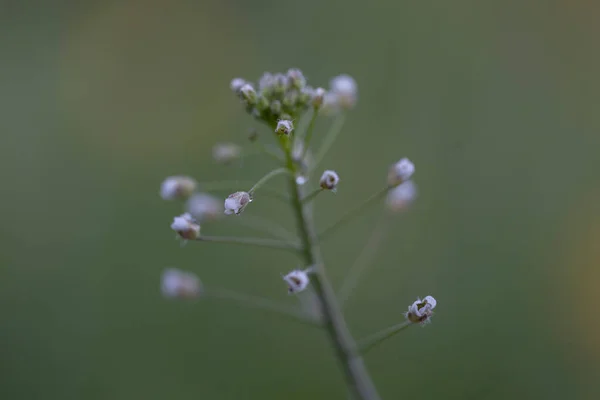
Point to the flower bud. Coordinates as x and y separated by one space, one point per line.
179 284
236 84
329 180
297 281
400 172
346 91
226 152
296 78
280 83
265 82
421 310
186 227
284 127
318 96
177 187
402 196
290 99
204 207
248 94
236 202
276 107
262 103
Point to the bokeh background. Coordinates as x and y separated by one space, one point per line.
495 101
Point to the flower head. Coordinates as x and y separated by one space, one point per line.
329 180
284 127
345 90
179 284
236 202
186 226
248 94
296 280
204 207
177 187
402 196
421 310
226 152
400 172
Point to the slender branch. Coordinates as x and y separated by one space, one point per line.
260 303
373 340
265 178
330 137
363 261
309 197
309 132
265 225
349 215
258 242
235 185
359 381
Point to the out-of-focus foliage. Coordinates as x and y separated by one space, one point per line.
496 102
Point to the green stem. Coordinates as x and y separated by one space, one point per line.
265 178
260 303
369 342
308 198
349 215
309 132
330 138
259 242
357 376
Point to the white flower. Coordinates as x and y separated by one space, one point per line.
226 152
400 172
236 84
345 89
284 127
236 202
177 187
204 207
401 196
186 227
296 78
318 96
421 310
297 281
179 284
248 93
329 180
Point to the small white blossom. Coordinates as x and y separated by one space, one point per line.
226 152
400 172
421 310
345 89
296 78
186 227
284 127
248 93
179 284
236 202
204 207
266 81
318 96
402 196
329 180
297 281
177 187
236 84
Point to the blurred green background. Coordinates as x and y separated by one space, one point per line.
496 102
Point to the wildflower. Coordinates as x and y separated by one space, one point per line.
401 196
236 84
421 310
226 152
345 90
177 187
296 280
180 284
248 93
236 202
204 207
186 226
400 172
284 127
329 180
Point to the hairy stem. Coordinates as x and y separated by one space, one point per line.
359 381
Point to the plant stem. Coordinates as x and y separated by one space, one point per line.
309 132
369 342
265 178
309 197
259 242
358 378
347 217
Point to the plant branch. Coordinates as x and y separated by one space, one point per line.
369 342
330 138
309 132
250 241
265 178
309 197
349 215
235 185
265 225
